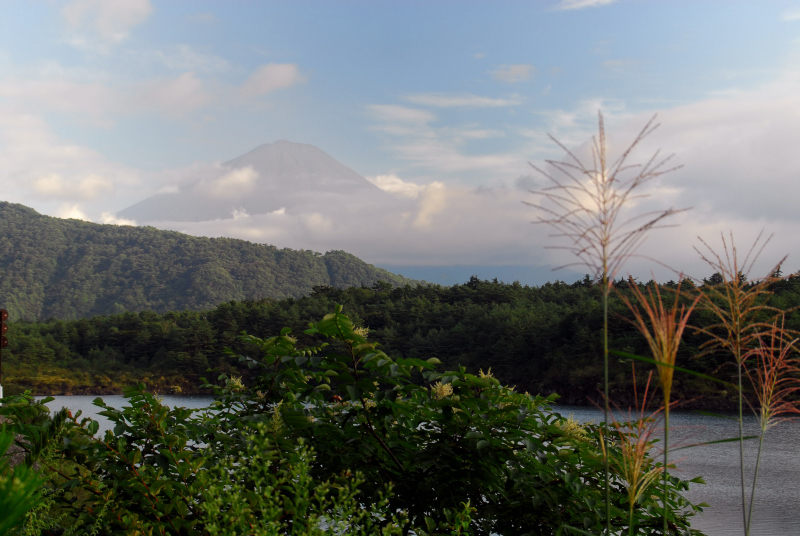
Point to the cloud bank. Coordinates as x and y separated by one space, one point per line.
110 22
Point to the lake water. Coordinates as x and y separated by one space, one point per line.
84 404
777 506
776 511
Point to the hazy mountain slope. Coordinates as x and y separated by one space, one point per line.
68 269
273 176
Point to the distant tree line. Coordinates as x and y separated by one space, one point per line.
540 339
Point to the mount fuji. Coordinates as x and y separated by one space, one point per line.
294 195
280 176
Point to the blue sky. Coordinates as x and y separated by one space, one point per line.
103 103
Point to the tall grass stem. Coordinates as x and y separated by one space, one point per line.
739 306
585 204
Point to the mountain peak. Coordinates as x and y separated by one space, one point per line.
283 174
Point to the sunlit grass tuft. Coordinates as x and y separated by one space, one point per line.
662 326
774 377
739 305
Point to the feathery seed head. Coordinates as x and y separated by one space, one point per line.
662 326
586 203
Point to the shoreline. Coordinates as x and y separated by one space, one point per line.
11 390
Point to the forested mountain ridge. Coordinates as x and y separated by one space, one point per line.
68 269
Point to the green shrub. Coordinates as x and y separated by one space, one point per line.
338 436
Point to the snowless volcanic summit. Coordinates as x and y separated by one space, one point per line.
272 177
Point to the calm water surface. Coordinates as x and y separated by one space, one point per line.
776 511
777 507
84 404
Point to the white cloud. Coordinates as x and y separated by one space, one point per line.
98 98
175 96
396 186
92 102
741 171
727 144
49 185
88 188
72 212
402 114
433 202
791 15
730 144
94 186
168 189
44 171
444 100
271 77
110 20
572 127
101 104
184 58
514 73
110 218
740 168
239 213
440 150
444 225
317 223
468 133
445 156
231 185
566 5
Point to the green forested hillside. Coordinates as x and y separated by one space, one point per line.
540 339
69 269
